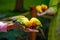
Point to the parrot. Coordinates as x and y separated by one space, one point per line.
41 8
44 7
29 23
38 8
23 20
36 22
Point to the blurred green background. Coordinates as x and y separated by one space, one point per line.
7 6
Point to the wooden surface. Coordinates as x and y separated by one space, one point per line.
32 11
32 14
32 35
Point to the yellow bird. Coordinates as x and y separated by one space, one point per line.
38 8
41 8
23 20
44 7
36 22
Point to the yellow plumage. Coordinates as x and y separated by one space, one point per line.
35 21
25 21
43 6
38 8
22 20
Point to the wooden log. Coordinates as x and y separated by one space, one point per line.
32 14
32 35
32 11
